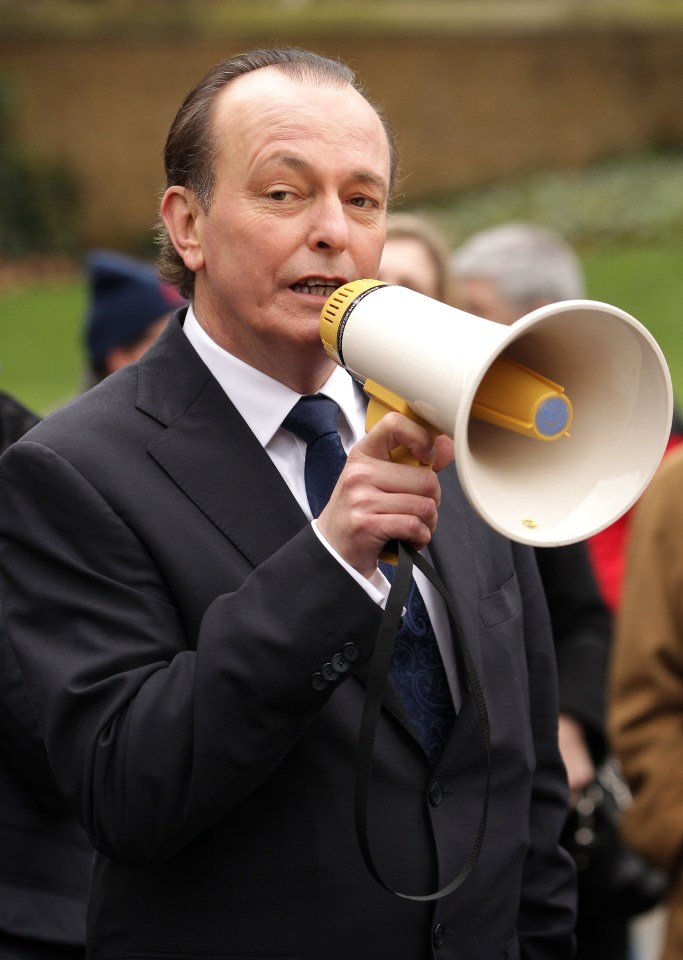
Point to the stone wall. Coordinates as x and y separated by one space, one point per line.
469 106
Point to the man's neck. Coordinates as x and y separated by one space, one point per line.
302 368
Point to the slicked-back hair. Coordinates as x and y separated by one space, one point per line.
191 146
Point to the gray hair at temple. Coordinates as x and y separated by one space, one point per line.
528 264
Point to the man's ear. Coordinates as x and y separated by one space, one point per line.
180 210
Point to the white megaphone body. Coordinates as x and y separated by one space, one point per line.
582 387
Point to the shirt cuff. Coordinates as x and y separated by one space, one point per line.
377 586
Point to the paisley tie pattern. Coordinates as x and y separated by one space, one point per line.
418 674
417 668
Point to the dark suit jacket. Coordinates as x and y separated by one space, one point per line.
185 604
45 856
582 631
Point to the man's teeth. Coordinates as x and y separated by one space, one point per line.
316 286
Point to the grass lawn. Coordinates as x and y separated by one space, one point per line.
41 359
647 282
40 326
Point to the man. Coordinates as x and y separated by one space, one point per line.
199 653
507 271
415 255
646 692
128 308
45 856
502 274
15 420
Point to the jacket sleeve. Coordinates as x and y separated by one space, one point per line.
154 734
646 680
22 749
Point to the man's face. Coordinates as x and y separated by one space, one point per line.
480 296
299 208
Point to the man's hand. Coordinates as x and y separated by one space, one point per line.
376 500
576 757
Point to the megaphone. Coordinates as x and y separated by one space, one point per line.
559 421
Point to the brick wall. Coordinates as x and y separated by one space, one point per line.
469 106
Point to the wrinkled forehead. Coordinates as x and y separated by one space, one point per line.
269 107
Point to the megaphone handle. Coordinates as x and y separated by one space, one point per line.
383 401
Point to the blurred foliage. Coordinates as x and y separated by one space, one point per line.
42 360
296 20
632 199
39 202
624 216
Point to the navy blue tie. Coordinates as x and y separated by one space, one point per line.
314 420
417 668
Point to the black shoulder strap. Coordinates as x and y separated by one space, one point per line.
376 687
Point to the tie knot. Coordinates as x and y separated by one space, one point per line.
312 417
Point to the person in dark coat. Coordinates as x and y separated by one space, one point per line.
45 855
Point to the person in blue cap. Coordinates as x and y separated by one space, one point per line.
129 307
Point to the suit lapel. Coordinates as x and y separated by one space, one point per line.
208 450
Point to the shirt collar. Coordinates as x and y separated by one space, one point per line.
263 402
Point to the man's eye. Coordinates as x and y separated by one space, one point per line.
280 194
362 202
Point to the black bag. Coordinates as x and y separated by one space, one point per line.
612 879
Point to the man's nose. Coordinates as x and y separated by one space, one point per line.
329 226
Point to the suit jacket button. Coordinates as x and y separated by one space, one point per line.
438 936
318 682
340 664
435 794
350 652
329 673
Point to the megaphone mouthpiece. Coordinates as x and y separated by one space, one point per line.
512 396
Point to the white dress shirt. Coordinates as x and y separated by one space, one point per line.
264 403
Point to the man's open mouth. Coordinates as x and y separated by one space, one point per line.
317 286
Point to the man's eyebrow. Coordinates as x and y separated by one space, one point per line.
365 177
296 163
300 164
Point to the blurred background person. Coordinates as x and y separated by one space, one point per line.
646 686
129 306
15 420
45 856
505 272
415 255
502 274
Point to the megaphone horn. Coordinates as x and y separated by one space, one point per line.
580 388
